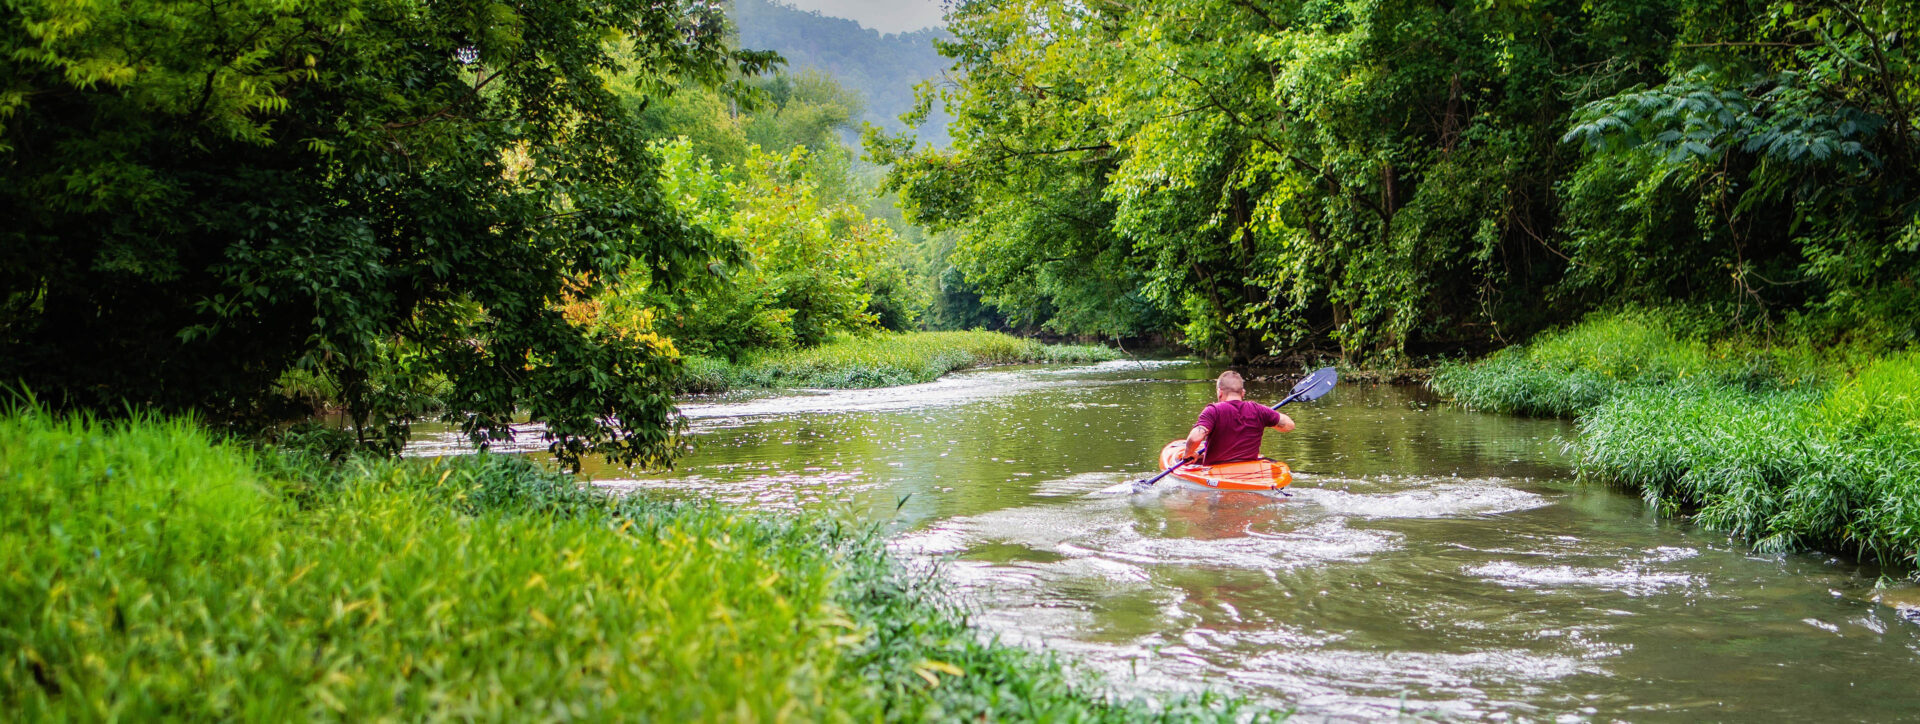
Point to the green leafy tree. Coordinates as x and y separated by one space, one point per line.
202 197
813 266
1780 155
711 121
1395 177
806 109
1263 174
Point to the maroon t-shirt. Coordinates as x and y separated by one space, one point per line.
1234 428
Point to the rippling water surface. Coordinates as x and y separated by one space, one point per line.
1431 561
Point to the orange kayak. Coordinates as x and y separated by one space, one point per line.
1251 475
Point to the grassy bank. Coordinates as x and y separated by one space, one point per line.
1568 372
155 573
1788 446
882 361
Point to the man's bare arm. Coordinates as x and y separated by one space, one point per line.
1286 423
1194 438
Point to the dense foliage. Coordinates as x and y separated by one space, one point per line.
1415 177
815 266
201 198
205 582
776 181
406 210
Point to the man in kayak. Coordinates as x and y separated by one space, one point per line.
1231 428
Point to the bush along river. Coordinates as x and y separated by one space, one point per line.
1430 561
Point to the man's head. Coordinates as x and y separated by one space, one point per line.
1230 386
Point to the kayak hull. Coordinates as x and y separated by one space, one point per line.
1258 476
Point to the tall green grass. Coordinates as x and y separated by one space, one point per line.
882 361
1788 446
1787 469
1568 372
156 573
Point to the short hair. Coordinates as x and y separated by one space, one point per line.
1230 381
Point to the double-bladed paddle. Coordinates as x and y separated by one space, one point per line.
1312 387
1309 388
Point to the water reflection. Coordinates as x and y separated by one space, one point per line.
1431 560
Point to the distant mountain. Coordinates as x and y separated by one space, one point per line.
883 68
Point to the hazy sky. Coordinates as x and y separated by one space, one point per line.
886 16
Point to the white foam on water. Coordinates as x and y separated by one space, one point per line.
934 541
1230 536
1119 365
1322 542
1669 554
1334 683
1822 625
1096 568
1050 528
1289 668
1078 485
1485 496
981 574
528 437
1626 580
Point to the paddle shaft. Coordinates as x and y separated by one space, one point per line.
1164 473
1290 398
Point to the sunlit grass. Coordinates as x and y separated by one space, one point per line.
1564 373
1771 466
883 361
1787 446
154 573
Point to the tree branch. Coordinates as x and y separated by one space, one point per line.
1755 44
448 108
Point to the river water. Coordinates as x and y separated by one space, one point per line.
1431 561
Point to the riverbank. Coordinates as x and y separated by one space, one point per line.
158 573
1399 375
882 361
1787 446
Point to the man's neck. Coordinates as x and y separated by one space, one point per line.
1233 398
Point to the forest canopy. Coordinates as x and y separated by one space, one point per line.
501 216
1390 178
204 198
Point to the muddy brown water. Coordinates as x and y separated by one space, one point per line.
1431 562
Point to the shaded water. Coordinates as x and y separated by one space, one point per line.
1431 560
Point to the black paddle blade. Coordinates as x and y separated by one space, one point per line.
1316 385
